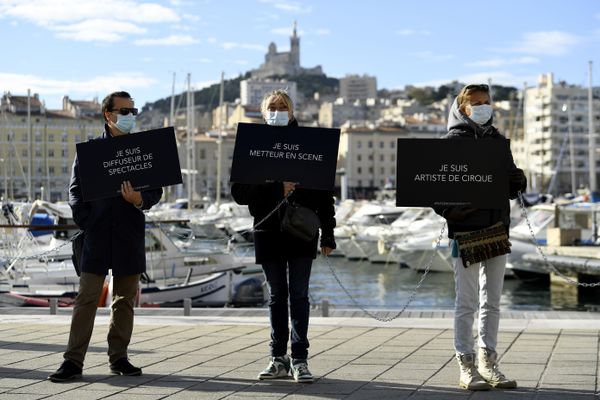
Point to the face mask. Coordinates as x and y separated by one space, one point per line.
125 123
481 114
278 118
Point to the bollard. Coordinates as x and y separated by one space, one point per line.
325 308
53 306
187 307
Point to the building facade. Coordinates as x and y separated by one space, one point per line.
44 159
356 87
553 114
252 91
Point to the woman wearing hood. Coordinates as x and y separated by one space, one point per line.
285 259
479 285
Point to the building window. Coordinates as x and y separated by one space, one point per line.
51 170
382 170
38 153
359 183
392 144
392 157
358 157
64 170
381 145
370 144
65 153
371 170
51 137
24 152
359 170
370 157
202 154
359 144
381 157
50 152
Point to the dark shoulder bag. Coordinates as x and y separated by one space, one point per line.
481 245
300 222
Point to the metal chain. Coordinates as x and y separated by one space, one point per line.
412 295
539 249
44 253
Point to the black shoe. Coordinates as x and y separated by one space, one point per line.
123 367
68 371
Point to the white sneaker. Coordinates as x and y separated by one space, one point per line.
300 372
278 367
487 366
469 377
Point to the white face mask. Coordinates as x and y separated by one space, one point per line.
277 118
481 114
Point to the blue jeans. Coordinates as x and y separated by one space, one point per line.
276 273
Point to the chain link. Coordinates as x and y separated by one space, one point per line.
11 260
539 249
410 298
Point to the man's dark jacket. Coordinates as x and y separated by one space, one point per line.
114 229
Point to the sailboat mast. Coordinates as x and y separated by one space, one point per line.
591 135
190 166
172 110
29 147
220 138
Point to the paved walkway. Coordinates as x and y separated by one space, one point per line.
553 356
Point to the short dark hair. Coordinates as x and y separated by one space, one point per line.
109 101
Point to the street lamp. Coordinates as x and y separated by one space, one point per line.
568 107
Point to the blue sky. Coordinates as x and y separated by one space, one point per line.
87 48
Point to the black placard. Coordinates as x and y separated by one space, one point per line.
148 160
304 155
447 172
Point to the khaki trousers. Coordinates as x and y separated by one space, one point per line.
84 312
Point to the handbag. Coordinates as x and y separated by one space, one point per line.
300 222
483 244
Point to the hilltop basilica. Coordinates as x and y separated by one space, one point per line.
284 63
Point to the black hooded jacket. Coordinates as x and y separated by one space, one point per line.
460 127
270 242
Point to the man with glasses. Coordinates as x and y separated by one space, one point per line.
114 230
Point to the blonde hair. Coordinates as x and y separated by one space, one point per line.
465 94
274 95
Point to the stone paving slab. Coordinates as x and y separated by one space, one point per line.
219 356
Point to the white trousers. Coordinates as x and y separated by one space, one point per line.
478 289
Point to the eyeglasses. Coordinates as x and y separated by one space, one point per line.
126 111
480 86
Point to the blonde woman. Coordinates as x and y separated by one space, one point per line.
478 286
286 260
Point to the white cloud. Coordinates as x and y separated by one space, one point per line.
97 30
19 83
247 46
241 62
211 40
413 32
171 40
499 62
80 19
554 43
289 6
